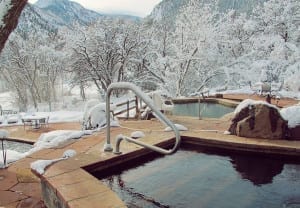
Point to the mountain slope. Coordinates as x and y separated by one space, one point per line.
167 10
33 20
67 12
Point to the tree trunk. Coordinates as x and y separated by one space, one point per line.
82 92
10 20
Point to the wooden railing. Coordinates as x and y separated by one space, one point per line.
128 105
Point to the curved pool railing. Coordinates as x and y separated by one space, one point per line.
148 101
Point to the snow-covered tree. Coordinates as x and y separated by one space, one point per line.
102 52
193 62
32 69
277 39
261 46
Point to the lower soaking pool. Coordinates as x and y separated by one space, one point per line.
16 146
197 178
208 110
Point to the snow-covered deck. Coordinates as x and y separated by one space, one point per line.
66 182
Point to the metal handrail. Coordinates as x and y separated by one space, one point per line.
148 101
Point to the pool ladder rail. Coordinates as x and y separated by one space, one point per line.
159 115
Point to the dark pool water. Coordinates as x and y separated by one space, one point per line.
192 178
16 146
208 110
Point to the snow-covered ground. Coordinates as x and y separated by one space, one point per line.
50 139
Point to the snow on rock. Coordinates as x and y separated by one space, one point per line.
3 134
292 115
137 134
178 126
249 102
40 165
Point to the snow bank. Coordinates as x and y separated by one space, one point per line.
137 134
292 115
178 126
55 138
46 140
40 165
62 116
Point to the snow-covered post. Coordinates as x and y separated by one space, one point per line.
10 10
127 104
199 103
137 107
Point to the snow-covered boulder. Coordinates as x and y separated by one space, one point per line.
95 117
258 119
88 105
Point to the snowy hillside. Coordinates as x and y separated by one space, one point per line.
33 20
169 9
67 12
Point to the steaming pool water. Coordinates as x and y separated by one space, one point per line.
208 110
200 178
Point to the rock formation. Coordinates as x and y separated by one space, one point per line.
259 121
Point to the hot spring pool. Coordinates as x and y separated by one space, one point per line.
208 110
197 178
16 146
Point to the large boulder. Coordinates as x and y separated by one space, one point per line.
257 119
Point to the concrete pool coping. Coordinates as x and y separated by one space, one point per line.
67 184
